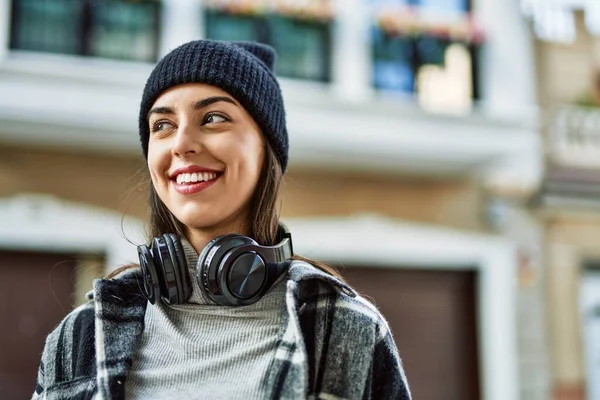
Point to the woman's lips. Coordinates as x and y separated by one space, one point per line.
193 187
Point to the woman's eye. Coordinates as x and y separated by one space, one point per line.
214 119
159 126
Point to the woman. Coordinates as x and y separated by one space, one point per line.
212 127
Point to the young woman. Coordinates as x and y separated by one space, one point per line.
221 308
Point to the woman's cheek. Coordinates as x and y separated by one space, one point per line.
224 148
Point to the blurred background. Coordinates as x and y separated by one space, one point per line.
445 155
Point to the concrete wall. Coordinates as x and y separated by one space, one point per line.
102 181
565 70
448 203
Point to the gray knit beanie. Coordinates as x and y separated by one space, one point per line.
243 69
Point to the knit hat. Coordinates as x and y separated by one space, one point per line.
243 69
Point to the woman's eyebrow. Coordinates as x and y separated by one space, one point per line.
211 100
160 110
197 105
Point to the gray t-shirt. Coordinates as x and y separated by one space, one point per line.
201 350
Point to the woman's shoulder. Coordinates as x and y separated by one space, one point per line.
123 279
80 316
77 326
124 273
336 295
360 311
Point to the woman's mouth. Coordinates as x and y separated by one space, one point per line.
195 177
190 183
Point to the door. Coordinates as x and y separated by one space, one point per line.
432 316
36 292
589 303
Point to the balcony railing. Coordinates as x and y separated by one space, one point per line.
572 137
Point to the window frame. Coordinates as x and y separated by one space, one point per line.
263 24
84 38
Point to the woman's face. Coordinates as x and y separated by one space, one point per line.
205 155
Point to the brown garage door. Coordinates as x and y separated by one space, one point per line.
36 292
432 317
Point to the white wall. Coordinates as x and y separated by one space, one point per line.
4 27
44 223
508 82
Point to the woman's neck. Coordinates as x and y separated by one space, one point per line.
199 237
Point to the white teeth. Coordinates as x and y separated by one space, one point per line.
195 177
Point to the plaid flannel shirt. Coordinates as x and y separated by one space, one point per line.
335 344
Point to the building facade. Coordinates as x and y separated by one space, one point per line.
567 202
413 143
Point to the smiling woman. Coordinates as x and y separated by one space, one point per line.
220 306
197 129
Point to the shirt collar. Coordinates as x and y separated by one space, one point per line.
301 271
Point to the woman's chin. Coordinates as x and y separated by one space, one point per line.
201 222
198 224
196 216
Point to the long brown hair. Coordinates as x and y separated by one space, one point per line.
264 214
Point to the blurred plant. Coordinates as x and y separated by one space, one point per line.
136 1
407 21
591 98
311 10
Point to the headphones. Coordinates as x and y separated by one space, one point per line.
232 270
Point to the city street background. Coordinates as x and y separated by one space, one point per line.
445 156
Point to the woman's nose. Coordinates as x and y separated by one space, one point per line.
186 141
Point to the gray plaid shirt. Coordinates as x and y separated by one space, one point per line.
336 345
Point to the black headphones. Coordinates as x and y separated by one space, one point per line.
232 270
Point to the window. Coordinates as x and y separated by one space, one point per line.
117 29
302 41
426 48
445 6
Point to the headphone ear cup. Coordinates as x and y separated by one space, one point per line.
246 278
234 270
165 267
224 265
183 267
150 277
209 271
180 291
202 267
